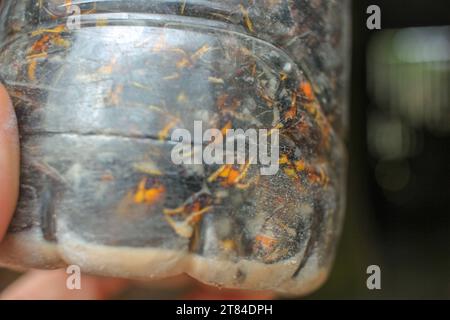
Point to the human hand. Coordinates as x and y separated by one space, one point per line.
35 284
38 284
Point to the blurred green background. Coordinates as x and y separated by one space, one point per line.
398 203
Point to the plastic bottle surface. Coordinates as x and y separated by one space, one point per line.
101 87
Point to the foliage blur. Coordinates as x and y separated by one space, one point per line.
398 199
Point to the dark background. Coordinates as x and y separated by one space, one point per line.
405 232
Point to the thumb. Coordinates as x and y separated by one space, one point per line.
9 161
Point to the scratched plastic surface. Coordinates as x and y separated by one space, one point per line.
97 105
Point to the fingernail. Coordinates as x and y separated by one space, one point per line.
9 161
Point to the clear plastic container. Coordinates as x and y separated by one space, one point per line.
98 97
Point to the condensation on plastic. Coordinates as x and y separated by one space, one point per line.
96 106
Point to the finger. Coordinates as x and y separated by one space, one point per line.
186 287
205 292
9 161
51 285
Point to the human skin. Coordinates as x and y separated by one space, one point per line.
49 285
